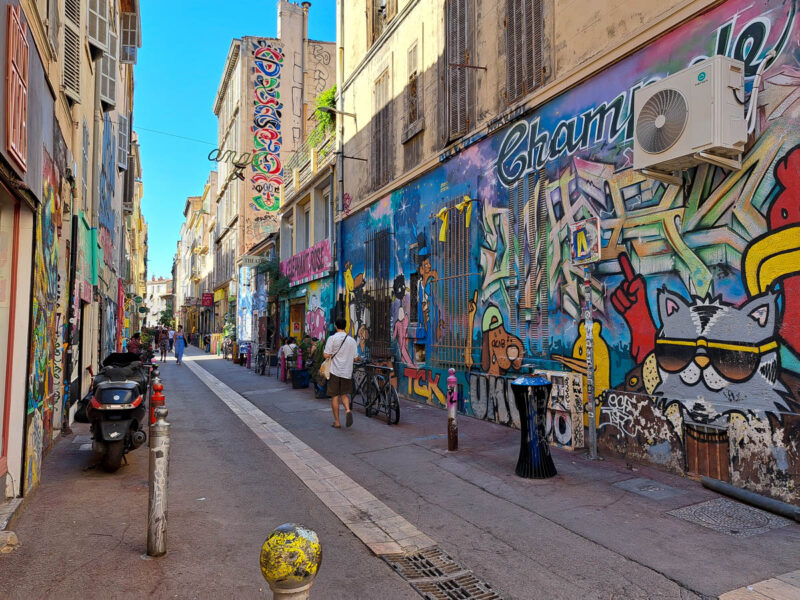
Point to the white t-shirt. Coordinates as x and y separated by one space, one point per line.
171 333
345 350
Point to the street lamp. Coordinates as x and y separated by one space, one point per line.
333 111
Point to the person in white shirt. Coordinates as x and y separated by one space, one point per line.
171 334
342 351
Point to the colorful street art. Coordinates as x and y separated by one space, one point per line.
266 171
244 305
696 323
42 393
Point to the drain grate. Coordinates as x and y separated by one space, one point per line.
732 518
649 488
437 576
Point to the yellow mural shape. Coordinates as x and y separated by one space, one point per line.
770 258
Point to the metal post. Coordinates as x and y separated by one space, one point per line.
290 558
159 470
588 326
452 411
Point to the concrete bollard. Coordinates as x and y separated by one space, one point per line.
452 411
290 558
159 471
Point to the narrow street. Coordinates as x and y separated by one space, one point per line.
573 536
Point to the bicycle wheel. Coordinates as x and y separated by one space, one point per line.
392 405
371 399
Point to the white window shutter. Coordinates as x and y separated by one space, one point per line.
108 73
122 143
97 24
129 39
71 57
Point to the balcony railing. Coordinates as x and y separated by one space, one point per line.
307 161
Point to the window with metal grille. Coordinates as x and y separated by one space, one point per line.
449 311
524 47
108 73
526 242
378 293
382 11
457 30
17 88
71 57
382 154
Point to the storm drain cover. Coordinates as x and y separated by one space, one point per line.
649 488
437 576
733 518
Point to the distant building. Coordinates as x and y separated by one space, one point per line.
158 299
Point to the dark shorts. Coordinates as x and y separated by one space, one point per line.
339 386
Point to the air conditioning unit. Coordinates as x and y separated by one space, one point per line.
693 116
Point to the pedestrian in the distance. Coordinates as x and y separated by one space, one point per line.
180 344
171 335
163 342
342 351
135 344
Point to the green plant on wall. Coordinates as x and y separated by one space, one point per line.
278 283
326 121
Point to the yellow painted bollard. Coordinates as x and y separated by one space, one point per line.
290 558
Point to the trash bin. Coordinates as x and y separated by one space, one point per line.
300 378
531 393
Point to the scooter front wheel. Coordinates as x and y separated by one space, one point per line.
113 457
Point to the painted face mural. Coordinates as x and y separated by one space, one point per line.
502 351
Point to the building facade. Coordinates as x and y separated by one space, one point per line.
486 138
158 299
67 103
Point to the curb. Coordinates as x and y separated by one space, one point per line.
8 511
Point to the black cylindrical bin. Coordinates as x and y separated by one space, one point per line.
531 394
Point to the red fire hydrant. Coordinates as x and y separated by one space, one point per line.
156 400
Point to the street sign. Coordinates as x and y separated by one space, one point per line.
251 261
208 299
584 241
138 299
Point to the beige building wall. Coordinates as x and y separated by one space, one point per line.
581 38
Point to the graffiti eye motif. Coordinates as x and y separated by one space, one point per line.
784 213
633 381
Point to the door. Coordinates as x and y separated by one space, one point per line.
296 317
9 240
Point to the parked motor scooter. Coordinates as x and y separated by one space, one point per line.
117 410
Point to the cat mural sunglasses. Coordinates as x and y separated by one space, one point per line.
735 362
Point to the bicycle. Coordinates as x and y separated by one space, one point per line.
379 394
261 362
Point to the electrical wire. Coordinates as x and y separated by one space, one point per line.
174 135
751 118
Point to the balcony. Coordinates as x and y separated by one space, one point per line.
306 162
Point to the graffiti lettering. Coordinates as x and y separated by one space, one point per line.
309 263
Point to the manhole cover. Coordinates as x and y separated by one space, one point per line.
733 518
649 488
437 576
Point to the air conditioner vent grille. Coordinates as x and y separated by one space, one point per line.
662 121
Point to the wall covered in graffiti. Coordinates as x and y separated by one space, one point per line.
42 393
266 171
244 306
696 326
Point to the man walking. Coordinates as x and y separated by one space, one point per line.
171 334
342 351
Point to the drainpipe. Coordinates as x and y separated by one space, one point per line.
95 204
339 142
775 506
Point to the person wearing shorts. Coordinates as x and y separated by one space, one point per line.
342 350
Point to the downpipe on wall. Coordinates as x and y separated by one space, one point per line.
763 502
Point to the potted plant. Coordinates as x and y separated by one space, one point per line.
300 374
320 383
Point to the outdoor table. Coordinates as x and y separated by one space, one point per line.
531 394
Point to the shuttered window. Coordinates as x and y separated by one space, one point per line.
129 37
85 166
382 155
108 73
524 47
17 88
71 57
412 91
97 24
382 11
458 55
122 142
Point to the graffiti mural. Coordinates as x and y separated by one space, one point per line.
266 171
42 394
244 305
696 328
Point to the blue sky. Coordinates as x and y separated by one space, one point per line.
184 45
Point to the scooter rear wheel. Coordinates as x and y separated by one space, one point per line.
113 457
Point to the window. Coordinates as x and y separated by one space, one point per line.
306 229
122 142
524 46
129 38
108 73
382 11
448 312
71 57
412 90
378 294
17 88
97 25
458 56
382 133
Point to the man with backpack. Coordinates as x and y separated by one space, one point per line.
342 351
